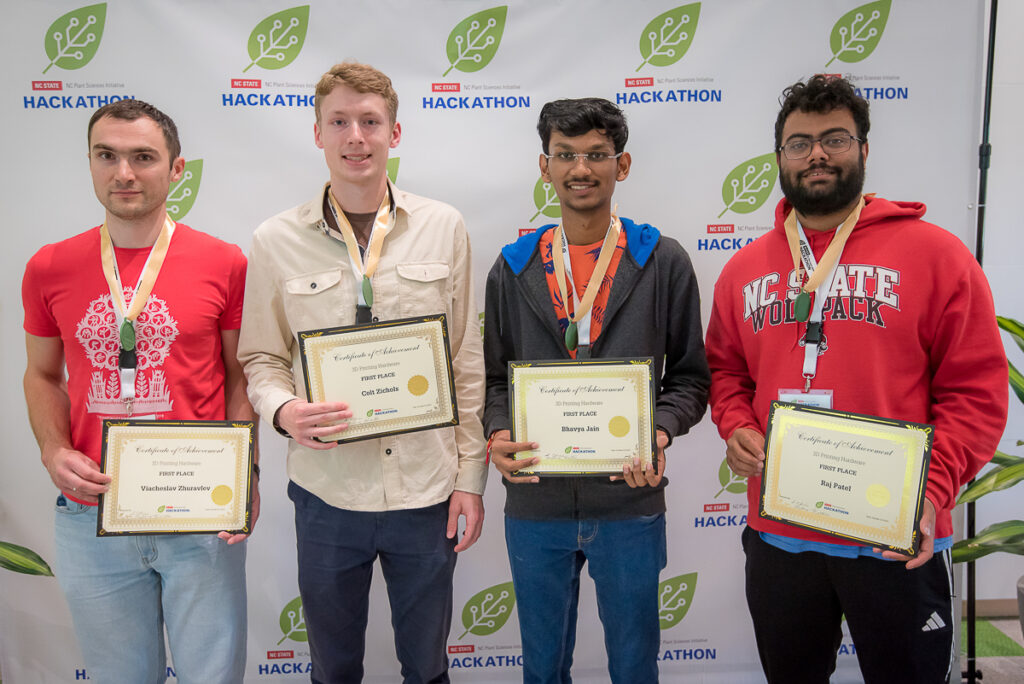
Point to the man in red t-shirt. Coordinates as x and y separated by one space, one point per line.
177 293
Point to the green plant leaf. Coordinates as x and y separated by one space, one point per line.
674 598
1006 537
1003 459
856 34
730 481
994 480
748 186
488 610
72 41
182 195
393 168
277 40
545 199
1014 327
668 36
19 559
293 621
474 41
1016 381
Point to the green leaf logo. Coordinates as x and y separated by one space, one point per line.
666 39
481 316
71 41
293 621
393 168
568 449
182 195
277 40
369 414
674 598
546 200
473 43
856 34
730 481
161 509
748 185
489 610
819 504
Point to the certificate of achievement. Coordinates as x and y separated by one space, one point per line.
589 417
395 376
852 476
176 477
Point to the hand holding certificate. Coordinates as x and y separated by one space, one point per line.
852 476
588 417
396 376
175 477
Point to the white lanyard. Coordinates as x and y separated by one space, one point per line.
582 325
813 341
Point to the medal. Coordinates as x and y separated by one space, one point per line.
381 227
611 237
803 306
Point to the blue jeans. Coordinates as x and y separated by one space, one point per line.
123 590
336 551
625 559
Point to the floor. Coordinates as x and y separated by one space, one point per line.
1003 670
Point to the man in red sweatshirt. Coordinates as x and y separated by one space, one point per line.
902 326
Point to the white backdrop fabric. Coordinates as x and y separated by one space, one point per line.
701 97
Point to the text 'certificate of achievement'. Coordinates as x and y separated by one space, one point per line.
852 476
395 376
176 477
589 417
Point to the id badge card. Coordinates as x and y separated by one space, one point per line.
821 398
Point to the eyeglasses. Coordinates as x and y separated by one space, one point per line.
834 143
588 158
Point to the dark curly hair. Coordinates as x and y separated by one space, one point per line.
578 117
822 94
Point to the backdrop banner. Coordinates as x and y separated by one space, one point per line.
700 84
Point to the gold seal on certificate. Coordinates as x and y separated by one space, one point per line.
176 477
848 475
589 417
395 376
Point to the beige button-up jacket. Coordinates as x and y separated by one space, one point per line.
300 278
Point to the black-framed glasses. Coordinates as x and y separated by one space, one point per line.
588 158
833 143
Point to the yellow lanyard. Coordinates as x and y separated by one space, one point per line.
381 227
611 237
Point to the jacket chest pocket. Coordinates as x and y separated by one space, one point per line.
423 288
323 299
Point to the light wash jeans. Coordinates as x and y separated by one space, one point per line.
123 590
624 558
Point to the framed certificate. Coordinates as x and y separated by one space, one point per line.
852 476
395 376
589 417
176 477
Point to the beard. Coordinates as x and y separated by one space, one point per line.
849 182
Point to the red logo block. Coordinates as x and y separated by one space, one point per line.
280 655
467 648
714 228
525 231
639 82
446 87
246 83
716 508
47 85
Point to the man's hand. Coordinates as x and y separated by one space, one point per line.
304 421
636 475
744 451
501 454
927 549
74 472
236 538
470 506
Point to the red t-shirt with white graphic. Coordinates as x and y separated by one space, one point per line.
180 373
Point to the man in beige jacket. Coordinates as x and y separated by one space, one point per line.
400 497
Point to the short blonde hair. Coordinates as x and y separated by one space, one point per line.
361 78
